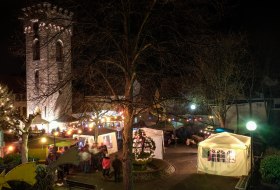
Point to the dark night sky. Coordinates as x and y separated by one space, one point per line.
261 19
9 63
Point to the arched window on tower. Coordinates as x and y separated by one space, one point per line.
37 79
59 59
36 49
59 51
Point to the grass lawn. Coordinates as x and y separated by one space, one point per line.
37 149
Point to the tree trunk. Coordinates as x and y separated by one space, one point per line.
127 149
221 120
237 118
24 149
96 130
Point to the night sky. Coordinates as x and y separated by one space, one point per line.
9 20
260 19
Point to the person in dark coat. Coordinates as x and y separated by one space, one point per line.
117 166
66 167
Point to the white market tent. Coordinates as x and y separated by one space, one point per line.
157 136
105 137
110 140
84 138
225 154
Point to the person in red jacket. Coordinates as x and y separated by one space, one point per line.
106 164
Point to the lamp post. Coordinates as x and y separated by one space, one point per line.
212 119
43 141
251 126
193 107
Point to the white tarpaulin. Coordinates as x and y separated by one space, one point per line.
84 139
108 139
157 136
225 154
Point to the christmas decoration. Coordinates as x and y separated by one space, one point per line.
23 172
143 147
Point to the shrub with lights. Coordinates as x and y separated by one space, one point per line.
143 149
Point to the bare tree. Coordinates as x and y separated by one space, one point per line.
10 118
224 67
124 50
92 109
126 57
24 133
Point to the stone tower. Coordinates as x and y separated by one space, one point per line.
48 31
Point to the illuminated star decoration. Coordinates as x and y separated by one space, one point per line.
16 174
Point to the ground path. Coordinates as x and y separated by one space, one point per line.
185 176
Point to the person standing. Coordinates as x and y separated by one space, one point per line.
94 157
117 166
66 167
85 159
106 164
60 172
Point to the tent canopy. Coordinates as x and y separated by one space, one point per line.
39 120
225 154
226 140
105 137
66 119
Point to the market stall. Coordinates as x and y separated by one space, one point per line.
225 154
157 136
105 137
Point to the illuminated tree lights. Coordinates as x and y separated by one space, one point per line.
7 110
143 147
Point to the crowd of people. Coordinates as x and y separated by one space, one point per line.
93 158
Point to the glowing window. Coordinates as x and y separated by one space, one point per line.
222 156
231 156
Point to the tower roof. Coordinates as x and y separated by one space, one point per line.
46 10
47 17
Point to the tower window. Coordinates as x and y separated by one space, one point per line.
59 59
37 79
59 51
36 49
36 29
59 75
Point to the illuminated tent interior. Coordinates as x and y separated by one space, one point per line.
105 137
225 154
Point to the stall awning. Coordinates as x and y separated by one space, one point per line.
39 120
